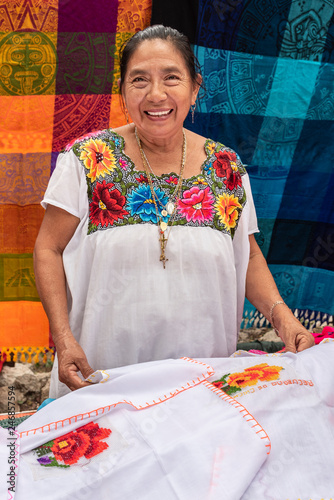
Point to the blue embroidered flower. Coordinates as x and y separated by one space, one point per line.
140 203
208 168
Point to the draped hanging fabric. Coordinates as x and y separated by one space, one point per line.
269 72
58 81
268 69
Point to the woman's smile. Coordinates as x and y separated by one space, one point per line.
158 90
158 113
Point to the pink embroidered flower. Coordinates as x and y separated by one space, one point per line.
172 180
226 166
197 204
107 205
122 163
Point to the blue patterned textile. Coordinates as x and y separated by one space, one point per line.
268 67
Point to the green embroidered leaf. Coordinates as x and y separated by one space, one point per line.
89 188
243 198
91 228
230 390
119 179
76 148
112 144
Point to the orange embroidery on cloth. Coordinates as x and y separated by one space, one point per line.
254 374
234 382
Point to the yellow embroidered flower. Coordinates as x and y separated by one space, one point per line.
211 147
200 180
227 207
234 166
254 374
97 158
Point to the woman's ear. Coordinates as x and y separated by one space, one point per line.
119 84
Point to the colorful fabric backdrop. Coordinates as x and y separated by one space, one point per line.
58 80
268 68
269 75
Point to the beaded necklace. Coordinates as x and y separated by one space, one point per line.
170 207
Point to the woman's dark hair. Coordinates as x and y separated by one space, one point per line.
160 32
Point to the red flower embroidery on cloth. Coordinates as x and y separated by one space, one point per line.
197 204
142 178
85 441
172 180
107 204
226 166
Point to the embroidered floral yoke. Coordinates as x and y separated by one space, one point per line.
124 307
119 194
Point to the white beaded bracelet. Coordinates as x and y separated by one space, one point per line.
271 317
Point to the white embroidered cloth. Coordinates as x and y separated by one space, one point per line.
163 430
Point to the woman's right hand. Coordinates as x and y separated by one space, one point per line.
71 360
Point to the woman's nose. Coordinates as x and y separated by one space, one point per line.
156 92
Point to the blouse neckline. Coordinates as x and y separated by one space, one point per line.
169 174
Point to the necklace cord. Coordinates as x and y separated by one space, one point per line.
170 207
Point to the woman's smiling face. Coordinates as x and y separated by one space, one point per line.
158 90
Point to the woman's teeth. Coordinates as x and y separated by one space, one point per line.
158 113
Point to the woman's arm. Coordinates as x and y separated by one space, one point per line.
262 292
57 229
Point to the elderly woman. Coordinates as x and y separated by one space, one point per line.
147 250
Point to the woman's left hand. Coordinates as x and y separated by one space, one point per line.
295 337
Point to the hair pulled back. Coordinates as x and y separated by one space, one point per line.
160 32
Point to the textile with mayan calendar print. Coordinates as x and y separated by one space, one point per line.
58 80
268 67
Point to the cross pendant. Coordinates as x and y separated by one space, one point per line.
163 243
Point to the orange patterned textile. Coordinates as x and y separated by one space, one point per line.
58 80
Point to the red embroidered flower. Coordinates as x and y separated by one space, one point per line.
226 166
196 204
142 178
172 180
107 204
85 441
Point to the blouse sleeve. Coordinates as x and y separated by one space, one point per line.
67 188
250 214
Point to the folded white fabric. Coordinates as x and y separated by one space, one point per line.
160 431
292 396
188 430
